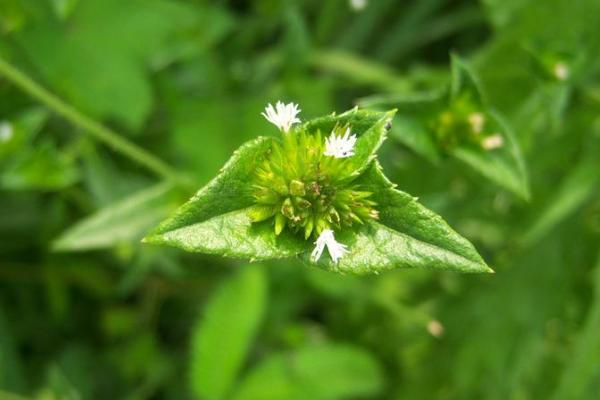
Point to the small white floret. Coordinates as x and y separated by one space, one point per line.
358 5
492 142
561 71
476 120
435 328
340 146
336 250
283 116
6 131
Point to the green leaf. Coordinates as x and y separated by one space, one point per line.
415 135
464 81
408 235
123 221
504 166
222 337
41 167
369 126
325 372
104 74
580 374
234 235
218 220
410 124
576 188
17 134
229 191
376 248
414 128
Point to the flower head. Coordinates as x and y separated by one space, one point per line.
358 5
336 250
477 121
492 142
561 71
6 131
302 190
282 115
340 146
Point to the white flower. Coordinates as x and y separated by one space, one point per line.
492 142
282 115
340 146
476 120
358 5
435 328
6 131
561 71
336 250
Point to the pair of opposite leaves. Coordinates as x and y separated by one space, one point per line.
217 219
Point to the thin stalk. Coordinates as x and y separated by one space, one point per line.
359 70
91 127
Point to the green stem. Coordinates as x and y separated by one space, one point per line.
90 126
360 70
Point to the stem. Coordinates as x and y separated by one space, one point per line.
88 125
360 70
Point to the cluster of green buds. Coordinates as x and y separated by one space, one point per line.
306 184
464 123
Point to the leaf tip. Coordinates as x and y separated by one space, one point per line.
150 239
526 193
57 246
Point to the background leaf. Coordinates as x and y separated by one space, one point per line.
504 166
574 190
67 52
579 380
410 122
224 335
124 221
325 372
464 81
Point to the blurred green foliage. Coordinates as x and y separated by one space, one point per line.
86 311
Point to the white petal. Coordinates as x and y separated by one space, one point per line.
492 142
317 251
319 245
561 71
340 146
6 131
358 5
282 115
336 250
476 120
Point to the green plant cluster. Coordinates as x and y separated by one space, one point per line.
463 123
299 187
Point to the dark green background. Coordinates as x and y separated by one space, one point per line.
97 315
